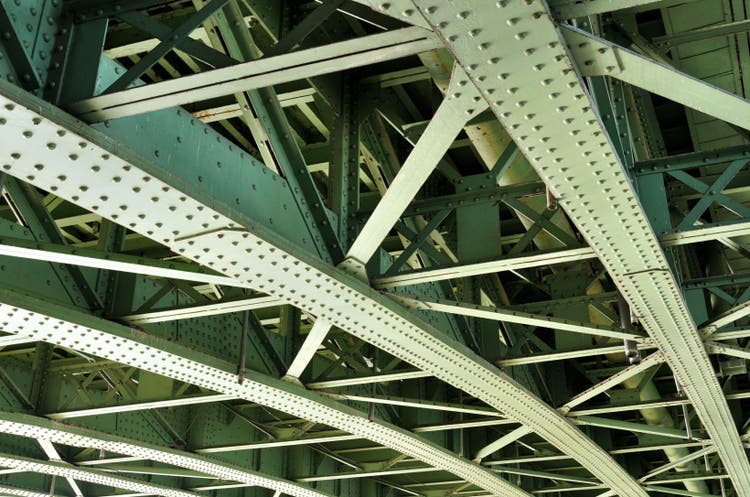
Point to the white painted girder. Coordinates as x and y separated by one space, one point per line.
107 178
461 103
35 427
56 468
52 323
308 349
259 73
596 56
525 72
514 316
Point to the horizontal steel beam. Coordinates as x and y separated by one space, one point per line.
560 355
183 400
691 160
316 438
707 232
571 9
260 73
513 316
616 424
366 380
551 257
417 403
454 271
199 311
110 261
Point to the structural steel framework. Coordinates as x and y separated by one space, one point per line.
335 248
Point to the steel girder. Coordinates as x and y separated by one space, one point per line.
257 74
565 141
208 236
228 278
550 257
62 254
57 468
65 327
595 56
40 428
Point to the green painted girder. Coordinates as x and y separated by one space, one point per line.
691 160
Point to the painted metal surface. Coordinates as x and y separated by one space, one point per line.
496 173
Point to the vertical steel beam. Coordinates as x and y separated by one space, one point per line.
343 170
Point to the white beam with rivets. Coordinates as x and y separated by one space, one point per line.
103 176
596 56
56 468
261 73
461 103
525 72
53 323
24 425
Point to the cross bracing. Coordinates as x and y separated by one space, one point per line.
374 248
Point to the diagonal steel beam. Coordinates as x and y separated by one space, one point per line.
309 348
461 103
55 468
32 426
501 442
727 317
598 57
565 141
679 462
46 321
652 360
167 45
207 231
194 48
53 455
